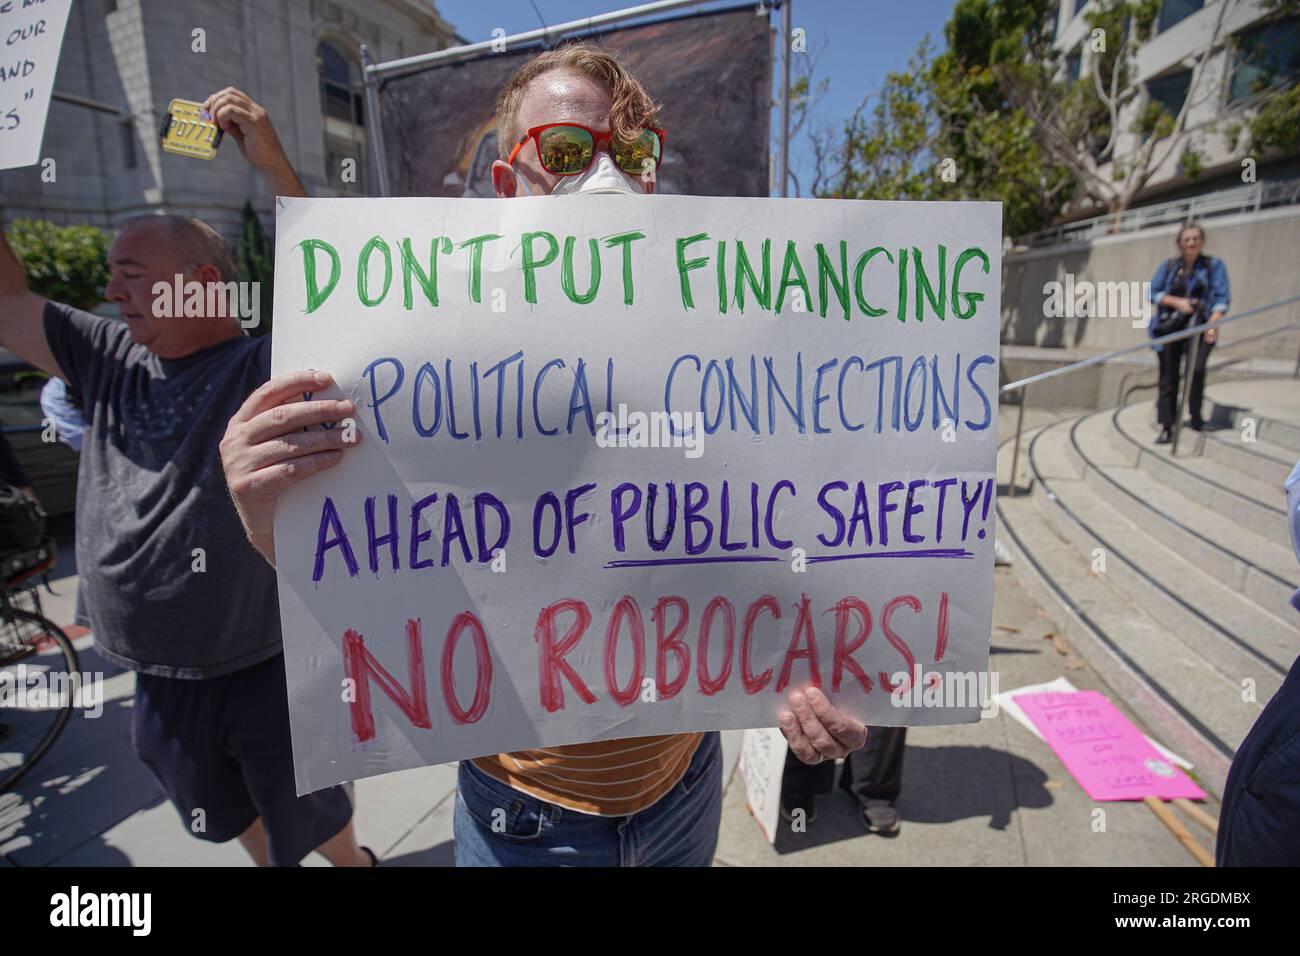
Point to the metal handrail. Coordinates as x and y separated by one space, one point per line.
1250 198
1125 390
1189 332
1161 340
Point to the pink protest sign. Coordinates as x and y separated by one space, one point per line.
1103 750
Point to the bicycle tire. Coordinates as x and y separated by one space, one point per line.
64 643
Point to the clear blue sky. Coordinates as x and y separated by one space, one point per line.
859 41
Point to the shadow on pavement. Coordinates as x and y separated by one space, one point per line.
444 854
940 785
90 781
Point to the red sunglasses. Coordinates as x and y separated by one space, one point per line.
568 149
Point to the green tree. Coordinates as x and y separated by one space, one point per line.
806 91
888 153
255 259
1277 124
64 263
1274 99
991 142
944 129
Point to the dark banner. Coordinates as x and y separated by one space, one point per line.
712 72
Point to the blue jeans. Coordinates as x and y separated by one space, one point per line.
680 829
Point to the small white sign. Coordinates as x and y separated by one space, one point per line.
762 765
31 35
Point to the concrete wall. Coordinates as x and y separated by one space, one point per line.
1259 250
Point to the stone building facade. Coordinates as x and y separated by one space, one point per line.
298 58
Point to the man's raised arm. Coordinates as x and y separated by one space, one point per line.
250 126
22 329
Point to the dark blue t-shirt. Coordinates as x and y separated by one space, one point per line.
1260 821
171 585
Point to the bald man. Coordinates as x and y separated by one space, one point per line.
172 588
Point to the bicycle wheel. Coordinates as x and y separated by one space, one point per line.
28 639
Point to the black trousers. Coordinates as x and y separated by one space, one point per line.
11 470
1173 360
873 773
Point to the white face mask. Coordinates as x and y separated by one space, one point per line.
603 176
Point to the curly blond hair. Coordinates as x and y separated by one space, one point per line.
633 108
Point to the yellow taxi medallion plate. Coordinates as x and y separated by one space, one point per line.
187 132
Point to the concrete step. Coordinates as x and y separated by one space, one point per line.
1138 423
1246 500
1240 639
1273 404
1260 568
1190 613
1265 460
1280 433
1169 687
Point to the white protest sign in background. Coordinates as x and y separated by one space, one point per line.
31 35
494 568
762 767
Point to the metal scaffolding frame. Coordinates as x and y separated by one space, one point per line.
373 72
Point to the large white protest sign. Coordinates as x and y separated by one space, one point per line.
31 35
524 550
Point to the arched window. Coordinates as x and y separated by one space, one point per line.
342 118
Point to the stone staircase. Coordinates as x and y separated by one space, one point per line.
1171 576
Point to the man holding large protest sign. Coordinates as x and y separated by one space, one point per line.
470 373
160 550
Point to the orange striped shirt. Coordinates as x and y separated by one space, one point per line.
607 778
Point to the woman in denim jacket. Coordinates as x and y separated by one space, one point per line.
1185 290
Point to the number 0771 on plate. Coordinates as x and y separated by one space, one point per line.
189 131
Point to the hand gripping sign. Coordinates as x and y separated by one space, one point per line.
632 466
